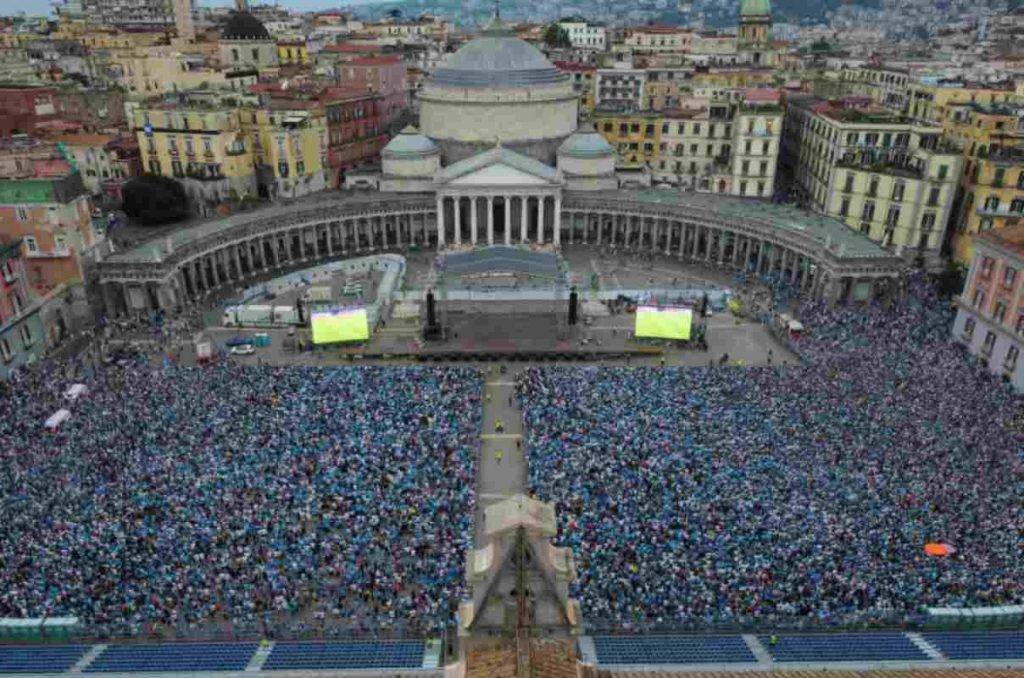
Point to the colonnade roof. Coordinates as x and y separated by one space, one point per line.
844 241
155 249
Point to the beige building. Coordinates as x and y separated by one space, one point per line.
721 147
882 174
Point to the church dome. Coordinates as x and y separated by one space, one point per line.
755 8
497 59
409 143
244 26
585 143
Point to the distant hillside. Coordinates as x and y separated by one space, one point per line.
795 10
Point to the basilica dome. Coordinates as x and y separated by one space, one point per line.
498 89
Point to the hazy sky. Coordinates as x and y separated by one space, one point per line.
43 6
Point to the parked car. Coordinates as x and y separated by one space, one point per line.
243 349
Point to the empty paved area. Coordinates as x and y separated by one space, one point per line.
502 466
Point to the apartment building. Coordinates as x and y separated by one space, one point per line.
721 147
582 76
990 312
200 141
885 86
930 100
45 205
991 140
620 86
289 141
659 39
21 328
880 173
583 35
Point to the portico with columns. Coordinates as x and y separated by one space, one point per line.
498 197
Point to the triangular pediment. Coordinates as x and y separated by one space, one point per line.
498 167
498 174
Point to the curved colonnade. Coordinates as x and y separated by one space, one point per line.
237 249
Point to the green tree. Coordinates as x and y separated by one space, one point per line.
153 200
556 36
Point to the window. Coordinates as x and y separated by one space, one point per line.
979 298
1020 179
868 213
154 167
897 191
1012 354
746 167
747 146
255 54
5 350
176 169
21 213
933 197
848 186
31 246
282 169
696 128
844 207
997 179
743 188
664 128
943 171
988 344
760 188
968 328
927 221
1017 205
893 217
26 335
764 168
1009 276
1019 329
234 54
61 243
999 314
986 266
985 225
16 303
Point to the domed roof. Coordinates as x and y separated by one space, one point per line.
497 59
409 143
586 142
755 7
244 26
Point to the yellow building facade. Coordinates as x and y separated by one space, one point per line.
635 136
881 174
290 147
205 147
991 139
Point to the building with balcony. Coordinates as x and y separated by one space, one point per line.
582 77
202 143
880 173
290 146
620 86
21 328
990 313
585 36
44 204
991 139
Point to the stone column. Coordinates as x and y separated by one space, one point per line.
760 257
490 220
508 219
540 219
558 220
440 222
524 202
473 209
458 220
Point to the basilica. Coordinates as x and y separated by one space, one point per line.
498 143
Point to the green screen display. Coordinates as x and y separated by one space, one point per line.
339 326
663 323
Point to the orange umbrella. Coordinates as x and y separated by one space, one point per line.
939 550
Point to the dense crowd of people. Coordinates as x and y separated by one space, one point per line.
179 497
801 494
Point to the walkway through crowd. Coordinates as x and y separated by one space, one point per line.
502 468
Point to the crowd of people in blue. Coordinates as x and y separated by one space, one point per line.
262 497
796 495
257 497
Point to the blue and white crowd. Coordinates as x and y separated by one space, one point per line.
787 495
253 497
